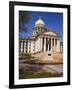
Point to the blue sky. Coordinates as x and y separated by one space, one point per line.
52 21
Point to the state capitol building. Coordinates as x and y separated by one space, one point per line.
43 40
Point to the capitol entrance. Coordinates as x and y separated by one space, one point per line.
49 44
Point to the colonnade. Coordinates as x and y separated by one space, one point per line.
50 44
46 44
23 46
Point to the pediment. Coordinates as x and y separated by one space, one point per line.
50 33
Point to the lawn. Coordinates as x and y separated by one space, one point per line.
41 74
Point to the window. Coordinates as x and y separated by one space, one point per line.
33 50
29 51
26 51
49 54
29 43
56 41
29 47
23 44
26 45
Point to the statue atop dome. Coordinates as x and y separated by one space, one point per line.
40 17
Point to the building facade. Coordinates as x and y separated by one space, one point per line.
42 40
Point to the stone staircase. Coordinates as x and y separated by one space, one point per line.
49 56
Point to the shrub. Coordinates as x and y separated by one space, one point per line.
25 56
30 61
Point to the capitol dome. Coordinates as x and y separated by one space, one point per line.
39 22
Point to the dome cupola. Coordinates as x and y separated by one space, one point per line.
39 27
40 22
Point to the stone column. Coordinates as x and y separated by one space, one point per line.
21 46
41 44
51 45
48 44
44 44
58 45
54 45
28 46
24 46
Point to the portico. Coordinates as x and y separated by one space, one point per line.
49 44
